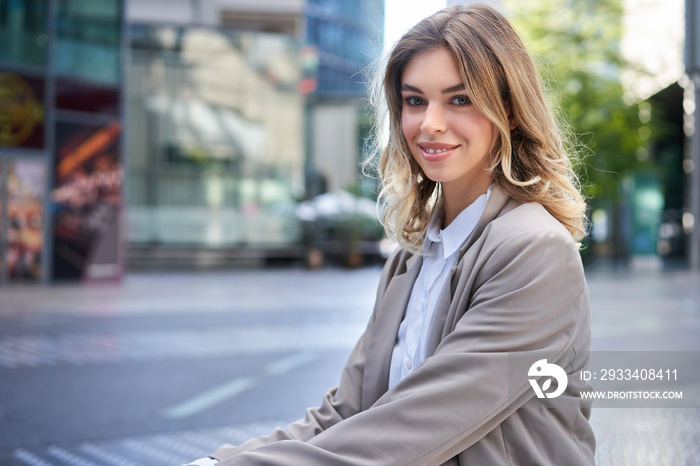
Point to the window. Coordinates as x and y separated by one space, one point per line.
23 31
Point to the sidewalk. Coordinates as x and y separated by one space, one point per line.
646 311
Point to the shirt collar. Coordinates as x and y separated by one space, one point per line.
457 232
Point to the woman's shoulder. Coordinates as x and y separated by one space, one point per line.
528 221
527 238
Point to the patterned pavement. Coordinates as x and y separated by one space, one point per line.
626 437
150 450
647 436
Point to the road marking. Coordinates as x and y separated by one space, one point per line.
157 455
30 458
68 457
237 386
105 456
285 365
211 397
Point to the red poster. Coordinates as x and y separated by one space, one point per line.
87 202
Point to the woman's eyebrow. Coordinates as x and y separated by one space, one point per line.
409 88
455 88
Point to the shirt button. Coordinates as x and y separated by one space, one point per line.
408 365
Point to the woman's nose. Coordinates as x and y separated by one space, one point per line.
433 120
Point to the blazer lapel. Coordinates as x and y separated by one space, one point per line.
440 316
386 327
493 209
494 206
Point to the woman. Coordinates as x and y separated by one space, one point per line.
478 191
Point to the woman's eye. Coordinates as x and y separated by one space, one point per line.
461 100
413 100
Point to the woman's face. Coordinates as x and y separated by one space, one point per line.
449 138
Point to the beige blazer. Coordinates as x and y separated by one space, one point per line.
519 287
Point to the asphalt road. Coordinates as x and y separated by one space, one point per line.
165 367
120 370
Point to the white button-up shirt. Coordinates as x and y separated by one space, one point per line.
442 251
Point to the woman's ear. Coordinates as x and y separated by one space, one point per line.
511 120
513 123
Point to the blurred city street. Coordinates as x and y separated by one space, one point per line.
167 366
170 140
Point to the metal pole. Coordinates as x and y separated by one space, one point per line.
125 58
694 181
691 59
4 218
50 146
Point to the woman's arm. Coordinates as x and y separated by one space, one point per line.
530 294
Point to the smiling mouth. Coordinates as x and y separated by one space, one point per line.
433 151
436 147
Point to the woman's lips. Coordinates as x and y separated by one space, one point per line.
435 152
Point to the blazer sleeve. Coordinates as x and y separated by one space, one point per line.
529 293
338 403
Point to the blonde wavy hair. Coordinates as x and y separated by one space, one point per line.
531 162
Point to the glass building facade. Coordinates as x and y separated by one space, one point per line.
61 167
222 121
348 36
215 145
23 32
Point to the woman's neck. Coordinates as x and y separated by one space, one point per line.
456 200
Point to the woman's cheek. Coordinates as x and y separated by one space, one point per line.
409 126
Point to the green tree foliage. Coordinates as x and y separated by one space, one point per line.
576 44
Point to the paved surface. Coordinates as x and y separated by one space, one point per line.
165 367
646 311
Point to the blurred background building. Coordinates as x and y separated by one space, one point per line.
657 198
615 69
236 111
204 133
